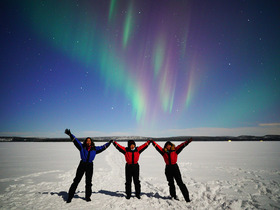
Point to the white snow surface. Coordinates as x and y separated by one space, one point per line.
218 175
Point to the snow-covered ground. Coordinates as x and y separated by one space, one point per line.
219 175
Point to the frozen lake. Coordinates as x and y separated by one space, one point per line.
236 175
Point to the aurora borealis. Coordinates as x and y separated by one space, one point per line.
131 67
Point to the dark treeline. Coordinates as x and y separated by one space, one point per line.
139 138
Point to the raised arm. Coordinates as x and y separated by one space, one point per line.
119 147
100 149
158 148
144 146
76 142
180 147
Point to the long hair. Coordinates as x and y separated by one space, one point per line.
92 143
169 143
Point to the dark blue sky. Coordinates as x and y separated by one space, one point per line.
150 68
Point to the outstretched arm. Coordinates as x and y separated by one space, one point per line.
119 147
102 148
76 142
180 147
158 148
144 146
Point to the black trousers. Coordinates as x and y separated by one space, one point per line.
132 171
82 168
173 172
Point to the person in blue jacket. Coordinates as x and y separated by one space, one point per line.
88 150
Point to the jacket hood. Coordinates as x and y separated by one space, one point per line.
130 142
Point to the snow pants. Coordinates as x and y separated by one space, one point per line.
173 172
86 168
132 171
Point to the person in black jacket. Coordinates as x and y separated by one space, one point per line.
88 150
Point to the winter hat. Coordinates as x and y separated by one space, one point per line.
167 143
130 142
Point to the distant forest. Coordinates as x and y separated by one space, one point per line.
140 138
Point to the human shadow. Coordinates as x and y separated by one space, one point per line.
155 195
111 193
122 194
62 194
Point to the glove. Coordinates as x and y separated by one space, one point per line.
110 142
68 132
190 140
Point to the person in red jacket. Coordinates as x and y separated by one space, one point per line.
132 154
172 171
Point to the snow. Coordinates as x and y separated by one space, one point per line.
218 175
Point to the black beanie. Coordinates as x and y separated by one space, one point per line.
168 142
130 142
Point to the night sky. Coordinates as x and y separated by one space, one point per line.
140 67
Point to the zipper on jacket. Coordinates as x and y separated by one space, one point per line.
88 156
169 158
133 158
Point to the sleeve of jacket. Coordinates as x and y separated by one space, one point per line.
76 142
158 148
144 146
119 147
100 149
180 147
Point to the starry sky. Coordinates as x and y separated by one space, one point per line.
140 67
